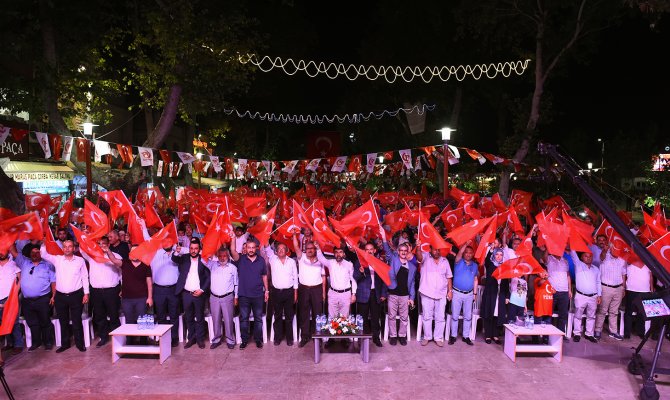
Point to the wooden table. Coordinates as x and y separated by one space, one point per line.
555 346
363 340
119 346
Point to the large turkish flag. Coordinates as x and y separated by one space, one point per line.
323 144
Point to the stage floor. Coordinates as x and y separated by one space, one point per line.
588 371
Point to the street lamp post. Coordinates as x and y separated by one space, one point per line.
446 136
88 133
602 159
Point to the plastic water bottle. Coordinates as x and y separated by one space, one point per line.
140 322
319 323
526 321
359 322
151 324
531 322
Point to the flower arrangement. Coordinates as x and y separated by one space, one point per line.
340 325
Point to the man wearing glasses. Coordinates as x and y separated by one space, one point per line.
38 285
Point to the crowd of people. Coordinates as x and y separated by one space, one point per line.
283 280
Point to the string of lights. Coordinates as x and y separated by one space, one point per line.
321 119
390 73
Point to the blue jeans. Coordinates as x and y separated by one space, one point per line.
461 301
247 306
17 334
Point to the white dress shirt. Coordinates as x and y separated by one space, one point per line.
341 273
284 273
310 273
103 275
558 271
612 270
508 253
8 273
164 272
638 279
241 240
71 273
434 277
192 279
223 279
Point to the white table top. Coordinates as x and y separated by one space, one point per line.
538 329
131 330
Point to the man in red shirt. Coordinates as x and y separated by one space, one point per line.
544 302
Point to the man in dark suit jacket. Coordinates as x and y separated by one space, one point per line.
193 285
369 301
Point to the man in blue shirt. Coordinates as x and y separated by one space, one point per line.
252 290
38 285
464 292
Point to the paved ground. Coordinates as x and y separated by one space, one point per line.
588 371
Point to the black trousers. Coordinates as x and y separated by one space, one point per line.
371 312
69 308
106 304
310 298
282 301
562 307
632 324
166 304
491 327
194 316
37 310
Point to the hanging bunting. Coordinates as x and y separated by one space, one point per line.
56 146
338 164
146 156
101 149
406 157
186 158
216 164
370 165
4 133
312 165
159 170
43 140
67 147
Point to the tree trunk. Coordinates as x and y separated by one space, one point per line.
149 119
157 136
50 94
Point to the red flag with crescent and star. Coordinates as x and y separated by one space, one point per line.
322 144
364 215
661 250
516 267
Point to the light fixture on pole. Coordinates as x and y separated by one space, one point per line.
90 137
602 159
589 165
446 136
381 159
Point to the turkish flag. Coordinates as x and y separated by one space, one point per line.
452 219
22 227
654 225
220 231
517 267
136 228
555 236
10 310
388 198
96 220
263 228
322 144
396 220
365 215
521 201
81 149
659 215
200 225
376 264
50 244
89 246
255 206
56 144
355 164
513 222
430 237
324 235
6 213
151 216
166 237
300 218
126 153
37 201
488 238
468 231
661 250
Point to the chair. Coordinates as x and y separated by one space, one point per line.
476 305
294 324
647 323
87 325
28 333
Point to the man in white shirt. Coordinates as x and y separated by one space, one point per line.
241 239
105 278
311 288
342 292
72 291
613 280
223 299
10 273
638 280
283 291
588 296
434 288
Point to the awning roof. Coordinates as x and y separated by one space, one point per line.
22 171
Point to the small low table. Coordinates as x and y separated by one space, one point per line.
363 340
555 346
119 346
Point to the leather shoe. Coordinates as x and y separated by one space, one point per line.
34 347
62 349
175 343
289 342
277 342
468 341
403 341
576 338
303 342
393 341
81 348
48 347
215 345
189 343
243 345
230 346
259 344
451 341
102 342
591 339
377 342
201 344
